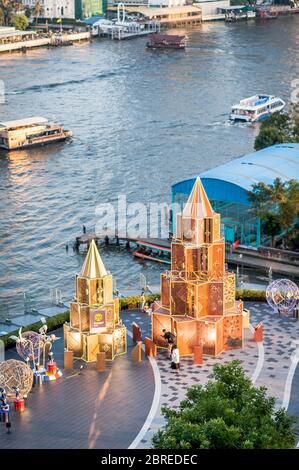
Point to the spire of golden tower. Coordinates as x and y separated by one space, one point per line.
198 205
93 266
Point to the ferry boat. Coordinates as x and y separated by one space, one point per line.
149 250
30 132
256 108
166 41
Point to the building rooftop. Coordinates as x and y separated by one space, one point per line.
232 180
151 12
92 20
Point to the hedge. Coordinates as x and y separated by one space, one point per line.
52 322
251 295
126 303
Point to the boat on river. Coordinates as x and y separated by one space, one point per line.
166 41
30 132
256 108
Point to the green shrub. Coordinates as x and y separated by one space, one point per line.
251 295
128 303
53 323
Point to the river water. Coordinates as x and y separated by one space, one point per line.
142 120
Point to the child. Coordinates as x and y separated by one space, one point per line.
175 358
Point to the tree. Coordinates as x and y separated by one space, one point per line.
279 200
37 10
227 413
271 226
19 21
277 129
9 7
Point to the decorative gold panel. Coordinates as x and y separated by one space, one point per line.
229 289
82 290
75 343
108 289
106 345
215 295
120 340
177 257
165 290
84 318
74 315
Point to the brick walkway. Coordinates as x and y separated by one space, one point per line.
269 363
89 410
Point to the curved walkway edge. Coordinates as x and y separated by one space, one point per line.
155 402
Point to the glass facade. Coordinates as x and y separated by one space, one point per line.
87 8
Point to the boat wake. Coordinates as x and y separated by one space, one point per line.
50 86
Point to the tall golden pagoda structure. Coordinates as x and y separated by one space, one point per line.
94 315
198 295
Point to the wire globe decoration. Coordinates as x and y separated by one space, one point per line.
15 374
282 294
30 346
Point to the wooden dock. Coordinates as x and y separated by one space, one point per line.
155 243
243 257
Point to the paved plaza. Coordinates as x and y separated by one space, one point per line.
120 408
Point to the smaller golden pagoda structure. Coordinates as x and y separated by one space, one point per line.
94 315
198 293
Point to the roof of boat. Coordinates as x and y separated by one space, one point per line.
23 122
157 11
255 101
166 37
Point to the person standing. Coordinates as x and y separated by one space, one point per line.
170 338
175 358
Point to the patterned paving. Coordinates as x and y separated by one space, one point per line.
277 347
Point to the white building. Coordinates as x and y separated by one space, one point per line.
166 3
210 8
54 8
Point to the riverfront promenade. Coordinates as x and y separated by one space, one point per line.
121 408
44 41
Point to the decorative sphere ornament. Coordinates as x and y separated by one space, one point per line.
30 346
15 375
282 294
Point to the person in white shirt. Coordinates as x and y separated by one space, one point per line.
175 358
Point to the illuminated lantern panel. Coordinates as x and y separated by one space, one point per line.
165 290
211 332
186 332
17 374
159 322
94 315
233 331
199 306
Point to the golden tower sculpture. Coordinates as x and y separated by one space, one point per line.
94 315
198 295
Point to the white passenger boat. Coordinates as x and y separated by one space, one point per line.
29 132
256 108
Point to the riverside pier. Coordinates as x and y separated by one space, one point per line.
12 40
